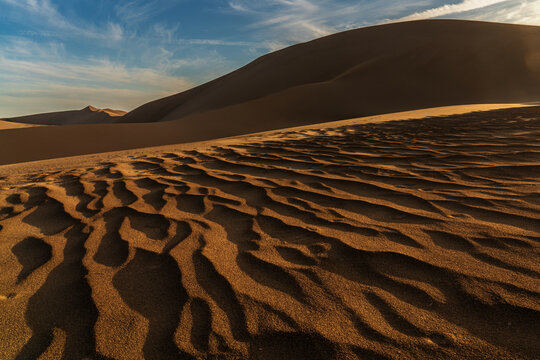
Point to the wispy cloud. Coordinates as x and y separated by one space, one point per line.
518 12
137 11
284 22
450 9
45 13
217 42
36 72
97 72
290 20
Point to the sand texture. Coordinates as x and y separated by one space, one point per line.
416 239
50 142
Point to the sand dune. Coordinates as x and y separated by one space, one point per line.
399 239
373 70
368 238
88 115
22 145
4 125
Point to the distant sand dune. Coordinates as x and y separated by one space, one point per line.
402 239
88 115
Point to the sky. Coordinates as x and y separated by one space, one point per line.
67 54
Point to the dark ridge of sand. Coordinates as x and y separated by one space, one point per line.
47 142
415 239
88 115
373 70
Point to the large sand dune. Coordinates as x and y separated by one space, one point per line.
373 70
416 239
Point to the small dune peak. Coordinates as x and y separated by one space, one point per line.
110 112
91 108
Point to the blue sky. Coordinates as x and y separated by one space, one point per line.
66 54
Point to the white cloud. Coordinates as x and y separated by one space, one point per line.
235 5
115 32
450 9
284 22
216 42
139 10
289 21
35 79
97 71
518 12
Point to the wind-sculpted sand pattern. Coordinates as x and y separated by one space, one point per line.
399 240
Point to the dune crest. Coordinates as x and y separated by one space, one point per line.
410 239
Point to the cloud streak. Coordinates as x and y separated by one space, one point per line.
290 20
44 12
525 12
48 81
450 9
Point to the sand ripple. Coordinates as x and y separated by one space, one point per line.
411 239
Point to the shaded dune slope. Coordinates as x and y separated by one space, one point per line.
373 70
408 239
48 142
88 115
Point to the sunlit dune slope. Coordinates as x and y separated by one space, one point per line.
4 125
367 71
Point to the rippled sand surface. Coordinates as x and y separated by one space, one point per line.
405 239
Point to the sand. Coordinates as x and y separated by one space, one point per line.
368 71
411 239
352 207
5 125
88 115
32 144
373 70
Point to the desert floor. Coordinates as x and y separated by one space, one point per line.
393 240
